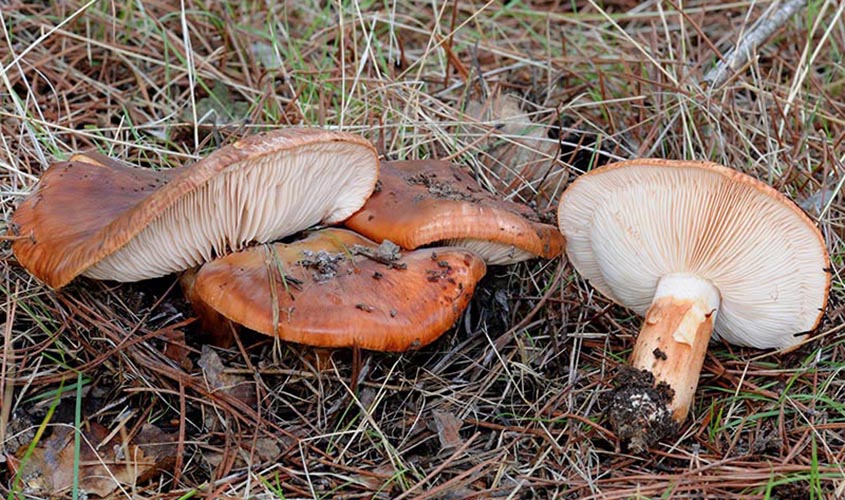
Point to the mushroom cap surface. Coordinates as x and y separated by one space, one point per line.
630 223
106 220
333 289
424 202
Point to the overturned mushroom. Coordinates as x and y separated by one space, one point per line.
428 202
100 218
336 288
694 247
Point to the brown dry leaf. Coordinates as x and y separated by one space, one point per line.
103 466
234 385
159 444
264 450
176 348
447 426
381 478
519 152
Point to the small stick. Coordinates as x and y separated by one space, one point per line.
772 19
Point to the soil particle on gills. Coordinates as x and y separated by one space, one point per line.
639 411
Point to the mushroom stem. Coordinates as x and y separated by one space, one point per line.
674 336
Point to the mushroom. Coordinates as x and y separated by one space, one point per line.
424 202
103 219
694 247
336 288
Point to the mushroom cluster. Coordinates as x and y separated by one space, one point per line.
696 248
216 221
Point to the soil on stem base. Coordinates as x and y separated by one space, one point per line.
640 412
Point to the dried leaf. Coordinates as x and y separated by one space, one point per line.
265 450
234 385
103 466
519 152
381 478
447 426
176 348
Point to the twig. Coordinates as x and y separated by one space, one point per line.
772 19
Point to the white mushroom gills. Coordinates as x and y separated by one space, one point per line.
493 253
673 340
629 225
258 200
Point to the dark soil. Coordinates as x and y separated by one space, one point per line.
791 491
639 411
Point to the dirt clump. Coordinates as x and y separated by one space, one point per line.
639 411
387 253
323 264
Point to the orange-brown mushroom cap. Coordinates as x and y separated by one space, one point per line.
104 219
424 202
334 289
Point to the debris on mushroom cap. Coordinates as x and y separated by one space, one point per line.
335 289
424 202
631 223
106 220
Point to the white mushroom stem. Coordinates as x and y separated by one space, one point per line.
673 339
